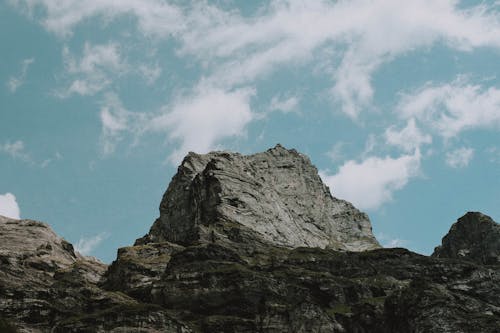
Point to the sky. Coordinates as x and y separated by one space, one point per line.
397 103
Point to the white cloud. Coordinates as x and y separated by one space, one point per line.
459 158
202 120
61 17
370 183
366 34
15 82
335 153
198 121
284 104
15 149
116 121
94 70
409 138
9 206
493 153
235 50
86 245
390 242
452 108
396 242
150 73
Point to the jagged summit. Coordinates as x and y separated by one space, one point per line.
474 237
275 197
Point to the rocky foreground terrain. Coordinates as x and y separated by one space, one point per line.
252 244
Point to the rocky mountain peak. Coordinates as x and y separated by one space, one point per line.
474 237
33 244
275 197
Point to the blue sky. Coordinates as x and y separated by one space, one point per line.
396 102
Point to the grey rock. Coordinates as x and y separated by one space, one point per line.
474 237
45 286
137 268
276 196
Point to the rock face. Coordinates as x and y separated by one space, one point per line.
251 244
276 196
45 286
474 237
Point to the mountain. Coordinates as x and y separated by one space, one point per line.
276 197
474 237
251 244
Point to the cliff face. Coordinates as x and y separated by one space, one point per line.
250 244
276 196
474 237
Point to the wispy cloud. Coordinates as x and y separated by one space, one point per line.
452 108
15 82
493 153
409 138
459 158
87 245
336 153
116 121
16 150
94 70
154 16
390 242
284 104
150 72
9 206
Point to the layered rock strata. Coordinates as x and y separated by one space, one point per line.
45 286
276 196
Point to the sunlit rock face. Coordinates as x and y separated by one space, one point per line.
474 237
276 196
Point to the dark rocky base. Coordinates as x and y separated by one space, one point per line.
211 288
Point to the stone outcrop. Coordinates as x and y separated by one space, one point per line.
276 196
220 259
45 286
474 237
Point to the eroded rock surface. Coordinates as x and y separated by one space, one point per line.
474 237
276 196
45 286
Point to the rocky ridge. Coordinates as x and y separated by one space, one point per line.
218 261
